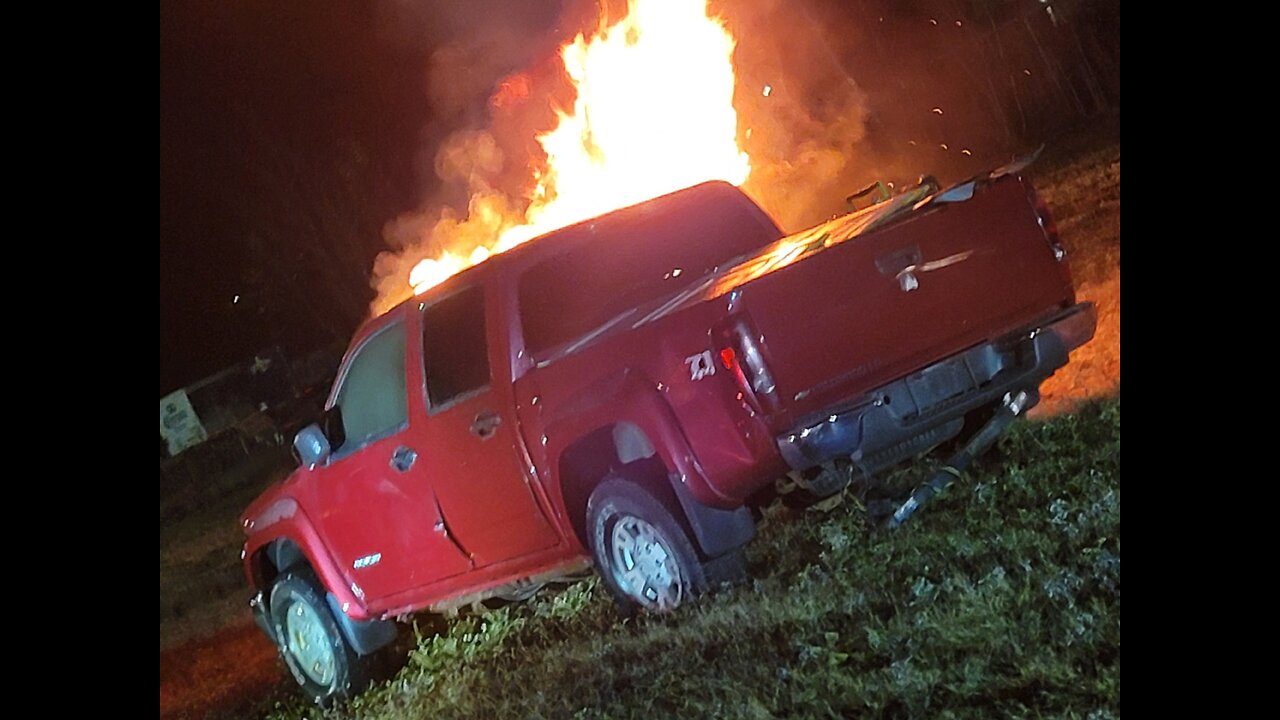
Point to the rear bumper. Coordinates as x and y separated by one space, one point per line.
928 406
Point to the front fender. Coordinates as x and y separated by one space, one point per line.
283 519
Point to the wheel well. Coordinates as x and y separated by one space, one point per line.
274 558
620 448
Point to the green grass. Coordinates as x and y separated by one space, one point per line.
1001 598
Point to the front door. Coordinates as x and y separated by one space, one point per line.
376 510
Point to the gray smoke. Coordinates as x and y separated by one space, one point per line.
850 99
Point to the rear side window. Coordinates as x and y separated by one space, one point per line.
454 349
373 396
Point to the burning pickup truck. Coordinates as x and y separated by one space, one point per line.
616 393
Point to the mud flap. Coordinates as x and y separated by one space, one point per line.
716 531
364 636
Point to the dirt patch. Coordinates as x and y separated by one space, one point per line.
1094 370
234 673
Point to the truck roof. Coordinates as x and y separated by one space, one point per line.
715 201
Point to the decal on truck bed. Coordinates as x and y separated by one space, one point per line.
700 365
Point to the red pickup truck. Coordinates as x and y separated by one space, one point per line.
616 392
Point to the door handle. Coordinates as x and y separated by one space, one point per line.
486 424
402 459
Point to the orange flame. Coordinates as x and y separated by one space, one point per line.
654 113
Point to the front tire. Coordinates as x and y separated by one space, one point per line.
310 642
643 554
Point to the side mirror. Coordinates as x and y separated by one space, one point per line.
311 447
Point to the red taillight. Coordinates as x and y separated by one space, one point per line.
1045 220
753 365
1050 229
741 353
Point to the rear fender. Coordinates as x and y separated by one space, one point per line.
634 401
623 425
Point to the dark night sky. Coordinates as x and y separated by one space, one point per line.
229 73
262 105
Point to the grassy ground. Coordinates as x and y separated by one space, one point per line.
1002 599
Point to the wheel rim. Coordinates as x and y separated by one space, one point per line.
645 566
308 643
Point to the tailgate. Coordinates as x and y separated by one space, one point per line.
861 311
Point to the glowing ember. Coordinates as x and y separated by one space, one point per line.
654 114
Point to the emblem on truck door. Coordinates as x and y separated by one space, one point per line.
700 365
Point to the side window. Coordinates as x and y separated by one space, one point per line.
373 396
454 349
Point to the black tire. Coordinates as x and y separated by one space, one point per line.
643 554
310 642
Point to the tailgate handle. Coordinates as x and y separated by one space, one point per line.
486 424
902 264
895 262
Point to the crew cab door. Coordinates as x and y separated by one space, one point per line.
467 440
376 511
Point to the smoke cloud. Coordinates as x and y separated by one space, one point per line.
830 97
801 114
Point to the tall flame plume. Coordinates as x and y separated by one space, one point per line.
653 114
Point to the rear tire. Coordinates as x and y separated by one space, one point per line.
310 642
644 556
